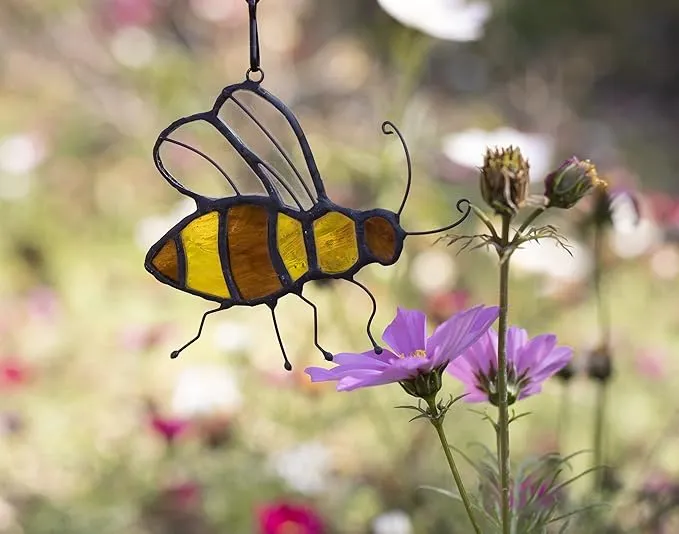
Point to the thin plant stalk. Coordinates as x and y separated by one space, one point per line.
599 425
605 328
503 408
562 423
437 421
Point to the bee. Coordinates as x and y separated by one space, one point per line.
250 249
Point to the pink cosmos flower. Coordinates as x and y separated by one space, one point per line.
440 306
169 428
529 363
415 361
184 495
283 518
13 373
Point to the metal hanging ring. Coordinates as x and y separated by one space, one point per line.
251 75
254 36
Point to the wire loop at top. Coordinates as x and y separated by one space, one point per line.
254 36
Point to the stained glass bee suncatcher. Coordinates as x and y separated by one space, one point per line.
251 248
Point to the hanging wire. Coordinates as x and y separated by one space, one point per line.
254 43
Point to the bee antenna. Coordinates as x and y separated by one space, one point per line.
389 128
176 353
465 213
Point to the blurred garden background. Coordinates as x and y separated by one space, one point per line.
100 432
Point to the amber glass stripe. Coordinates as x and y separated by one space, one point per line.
166 262
249 257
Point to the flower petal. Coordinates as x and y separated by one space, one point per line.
534 352
369 379
516 339
406 334
475 395
368 360
552 363
459 332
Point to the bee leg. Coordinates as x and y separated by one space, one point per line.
287 364
378 349
327 355
175 353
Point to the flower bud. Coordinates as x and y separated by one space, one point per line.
566 373
504 180
600 365
565 186
424 386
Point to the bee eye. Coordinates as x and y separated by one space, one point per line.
380 237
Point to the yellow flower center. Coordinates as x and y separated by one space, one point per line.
416 354
290 527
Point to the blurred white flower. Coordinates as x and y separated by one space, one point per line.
133 47
624 213
632 240
432 271
21 153
469 147
454 20
151 229
305 468
207 389
548 258
215 10
393 522
8 516
232 336
665 263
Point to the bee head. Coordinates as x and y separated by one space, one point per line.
383 238
163 260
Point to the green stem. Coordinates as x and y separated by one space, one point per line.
605 328
437 420
600 416
534 215
562 424
503 407
485 220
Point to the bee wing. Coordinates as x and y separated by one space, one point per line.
252 142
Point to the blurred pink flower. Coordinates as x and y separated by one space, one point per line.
651 363
442 305
136 337
658 485
43 303
664 208
169 428
529 363
415 356
184 495
288 518
13 373
534 493
11 423
129 12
